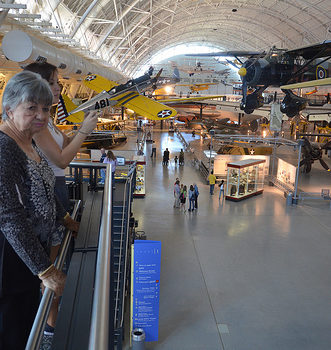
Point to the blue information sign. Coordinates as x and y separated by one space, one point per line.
146 287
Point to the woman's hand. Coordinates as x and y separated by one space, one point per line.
71 225
55 280
90 122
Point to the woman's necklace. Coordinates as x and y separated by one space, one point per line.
24 144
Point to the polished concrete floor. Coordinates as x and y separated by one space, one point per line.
252 275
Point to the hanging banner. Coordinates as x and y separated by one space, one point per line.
146 265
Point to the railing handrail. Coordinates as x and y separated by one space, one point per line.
99 330
127 239
36 333
126 199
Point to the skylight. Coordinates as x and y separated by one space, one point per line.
174 51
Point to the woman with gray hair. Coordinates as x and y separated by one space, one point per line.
27 208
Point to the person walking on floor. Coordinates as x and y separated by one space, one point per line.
183 196
191 196
176 194
212 181
221 186
153 150
181 157
196 195
166 156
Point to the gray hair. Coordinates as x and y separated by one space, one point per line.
25 87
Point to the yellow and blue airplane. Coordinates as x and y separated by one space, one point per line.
112 94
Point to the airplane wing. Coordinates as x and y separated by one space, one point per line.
140 104
230 54
190 99
197 84
147 107
313 51
98 83
311 83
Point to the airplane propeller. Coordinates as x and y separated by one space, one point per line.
276 67
312 152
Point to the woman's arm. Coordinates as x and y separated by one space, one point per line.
62 157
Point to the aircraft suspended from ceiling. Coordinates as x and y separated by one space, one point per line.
276 68
191 70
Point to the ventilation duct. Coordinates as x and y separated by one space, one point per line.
21 47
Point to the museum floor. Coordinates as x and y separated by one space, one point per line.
252 275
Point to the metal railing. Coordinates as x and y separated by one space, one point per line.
127 196
99 331
39 323
180 136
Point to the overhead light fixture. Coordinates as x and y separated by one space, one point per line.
53 30
234 10
24 15
37 24
12 6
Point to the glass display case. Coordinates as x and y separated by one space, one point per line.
140 190
245 178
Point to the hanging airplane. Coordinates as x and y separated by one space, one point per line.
191 70
111 94
196 87
276 68
129 95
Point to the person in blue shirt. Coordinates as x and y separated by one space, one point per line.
196 193
221 186
191 196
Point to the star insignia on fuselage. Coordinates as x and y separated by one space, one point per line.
90 77
164 114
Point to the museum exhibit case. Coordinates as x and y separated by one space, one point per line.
140 190
245 178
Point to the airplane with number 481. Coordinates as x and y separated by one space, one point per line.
276 68
128 95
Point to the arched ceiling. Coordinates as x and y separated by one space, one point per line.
127 33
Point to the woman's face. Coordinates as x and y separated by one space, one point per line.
55 87
29 117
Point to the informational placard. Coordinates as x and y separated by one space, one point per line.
286 173
146 265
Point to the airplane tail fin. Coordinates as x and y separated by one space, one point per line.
176 75
64 107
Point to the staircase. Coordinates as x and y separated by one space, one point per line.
120 255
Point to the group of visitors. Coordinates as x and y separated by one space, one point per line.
166 157
181 194
34 201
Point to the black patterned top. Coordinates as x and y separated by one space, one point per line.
27 206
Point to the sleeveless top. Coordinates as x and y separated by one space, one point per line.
58 137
